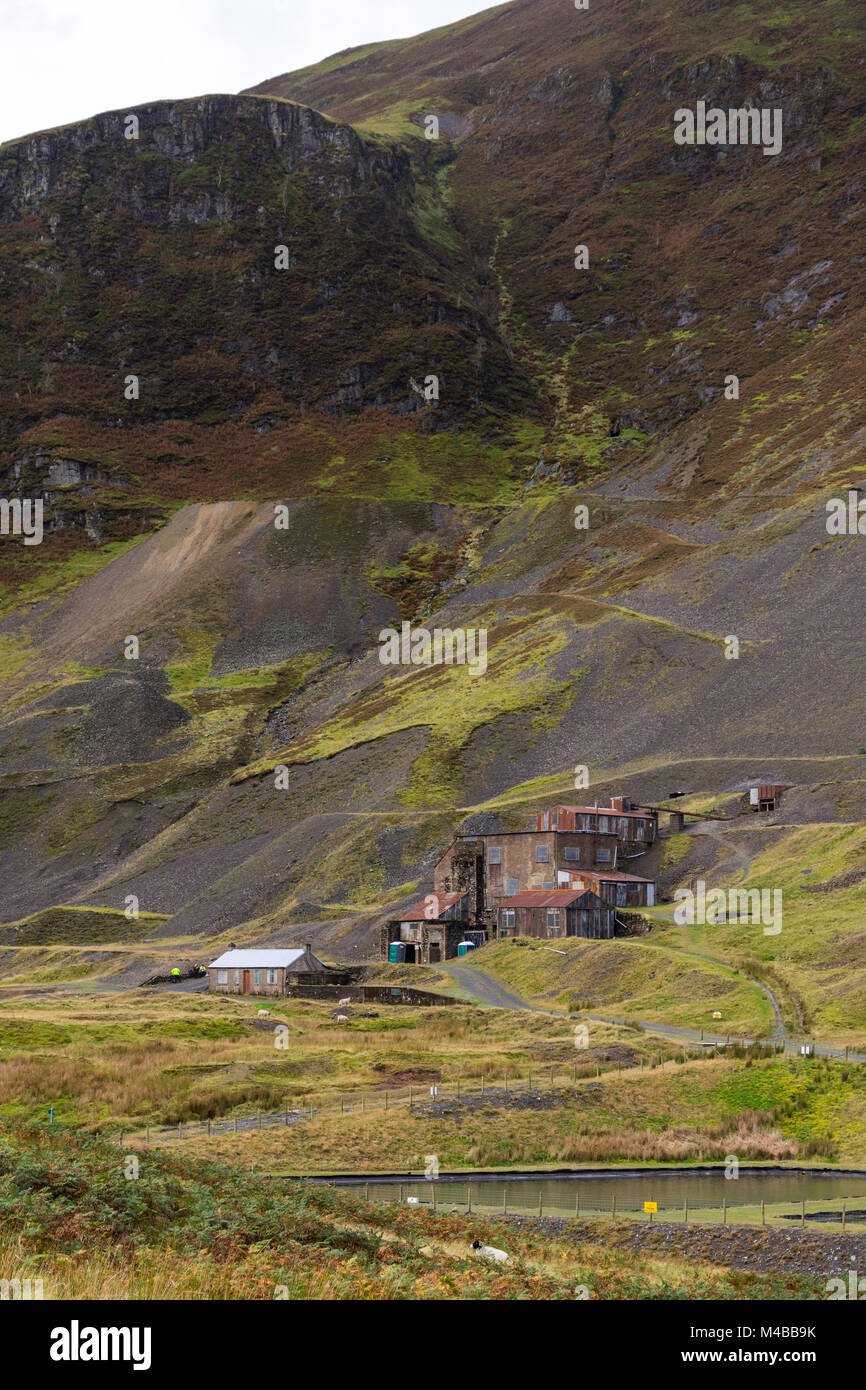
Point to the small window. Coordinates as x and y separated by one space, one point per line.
508 917
554 819
548 883
603 856
223 977
552 921
542 854
604 823
571 854
271 977
494 854
511 887
237 977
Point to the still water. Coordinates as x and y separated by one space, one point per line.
699 1188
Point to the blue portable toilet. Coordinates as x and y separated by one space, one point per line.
464 947
397 953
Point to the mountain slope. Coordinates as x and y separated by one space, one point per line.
156 775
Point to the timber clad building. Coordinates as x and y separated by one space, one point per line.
509 882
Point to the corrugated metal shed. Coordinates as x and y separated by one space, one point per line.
544 897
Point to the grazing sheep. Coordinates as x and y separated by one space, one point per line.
489 1252
264 1013
347 1000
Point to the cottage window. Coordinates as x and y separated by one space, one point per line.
511 887
237 977
271 977
604 823
222 977
494 854
571 854
542 854
548 883
603 856
552 921
508 917
554 820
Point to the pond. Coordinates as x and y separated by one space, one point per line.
702 1190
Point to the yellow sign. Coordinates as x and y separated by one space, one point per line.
650 1206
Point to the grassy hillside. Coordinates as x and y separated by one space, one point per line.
190 1230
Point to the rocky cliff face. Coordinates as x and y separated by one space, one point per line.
241 262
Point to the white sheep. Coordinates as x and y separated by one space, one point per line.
489 1252
347 1000
264 1013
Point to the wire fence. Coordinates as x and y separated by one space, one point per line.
532 1090
836 1212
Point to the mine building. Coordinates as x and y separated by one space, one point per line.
269 972
579 850
562 912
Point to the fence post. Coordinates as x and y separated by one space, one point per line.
366 1192
236 1124
208 1127
286 1116
529 1080
803 1212
505 1198
576 1205
410 1097
342 1105
401 1194
468 1199
260 1120
763 1214
433 1194
540 1208
147 1134
844 1207
724 1211
686 1212
613 1207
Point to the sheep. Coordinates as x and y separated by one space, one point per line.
264 1013
489 1252
347 1000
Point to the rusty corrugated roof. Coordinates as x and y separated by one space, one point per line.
419 912
544 897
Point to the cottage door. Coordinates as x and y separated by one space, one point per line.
246 982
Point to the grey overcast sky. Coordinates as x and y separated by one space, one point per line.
65 60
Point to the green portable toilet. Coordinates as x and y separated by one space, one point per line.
397 953
464 947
